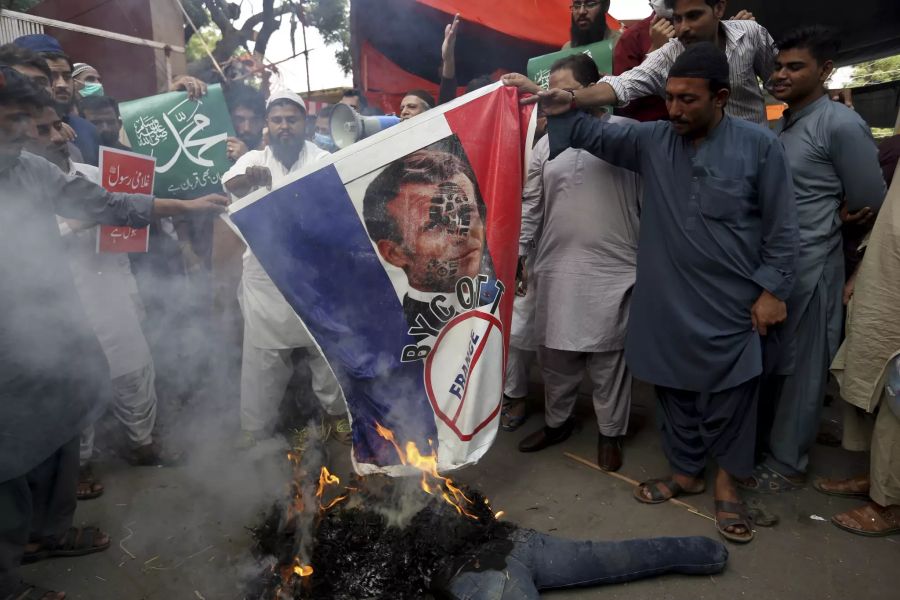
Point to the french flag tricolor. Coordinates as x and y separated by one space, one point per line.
399 254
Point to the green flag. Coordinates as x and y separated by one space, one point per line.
187 138
539 66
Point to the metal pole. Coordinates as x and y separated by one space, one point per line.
306 57
89 30
168 53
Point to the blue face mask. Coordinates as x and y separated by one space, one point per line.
325 142
91 89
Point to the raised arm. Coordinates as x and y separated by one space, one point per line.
764 59
646 79
618 144
448 62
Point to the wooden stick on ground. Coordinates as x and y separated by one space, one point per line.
632 482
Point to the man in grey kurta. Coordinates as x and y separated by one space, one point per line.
582 214
833 160
53 374
715 261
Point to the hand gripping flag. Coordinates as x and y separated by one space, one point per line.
399 255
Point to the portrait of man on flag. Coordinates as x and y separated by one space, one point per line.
425 215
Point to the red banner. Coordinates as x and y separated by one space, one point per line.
132 173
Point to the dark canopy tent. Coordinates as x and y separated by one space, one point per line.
397 43
869 28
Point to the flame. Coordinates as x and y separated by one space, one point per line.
389 436
433 483
302 570
326 479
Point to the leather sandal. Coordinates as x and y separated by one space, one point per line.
741 520
658 497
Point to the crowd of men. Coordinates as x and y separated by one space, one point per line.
680 241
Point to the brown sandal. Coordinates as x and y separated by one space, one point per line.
855 487
741 520
657 496
28 591
77 541
872 520
89 487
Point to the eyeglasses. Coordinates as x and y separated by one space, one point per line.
589 5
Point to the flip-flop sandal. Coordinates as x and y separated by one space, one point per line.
657 497
769 481
29 591
817 485
77 541
891 525
742 520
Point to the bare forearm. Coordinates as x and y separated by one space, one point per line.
240 186
595 96
167 207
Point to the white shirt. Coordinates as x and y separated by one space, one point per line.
269 321
108 292
751 55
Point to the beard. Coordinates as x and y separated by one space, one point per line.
109 138
593 34
287 151
63 108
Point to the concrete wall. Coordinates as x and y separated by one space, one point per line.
129 71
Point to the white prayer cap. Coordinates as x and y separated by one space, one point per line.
286 95
79 68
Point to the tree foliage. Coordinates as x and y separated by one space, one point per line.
19 5
194 50
330 17
876 71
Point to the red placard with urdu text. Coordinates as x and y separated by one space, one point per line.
123 171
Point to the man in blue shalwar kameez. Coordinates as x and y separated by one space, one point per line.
833 160
716 257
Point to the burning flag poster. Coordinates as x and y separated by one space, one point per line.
186 137
399 254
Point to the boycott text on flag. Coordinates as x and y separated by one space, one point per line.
399 254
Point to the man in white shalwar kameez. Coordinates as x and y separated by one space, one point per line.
582 213
272 330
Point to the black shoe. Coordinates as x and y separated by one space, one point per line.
609 453
547 436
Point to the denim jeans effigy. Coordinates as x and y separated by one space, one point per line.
542 562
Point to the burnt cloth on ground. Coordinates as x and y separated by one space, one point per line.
442 554
358 555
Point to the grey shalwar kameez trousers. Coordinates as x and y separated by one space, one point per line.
54 378
583 216
833 159
718 227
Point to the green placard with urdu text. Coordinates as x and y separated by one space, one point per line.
187 138
601 52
